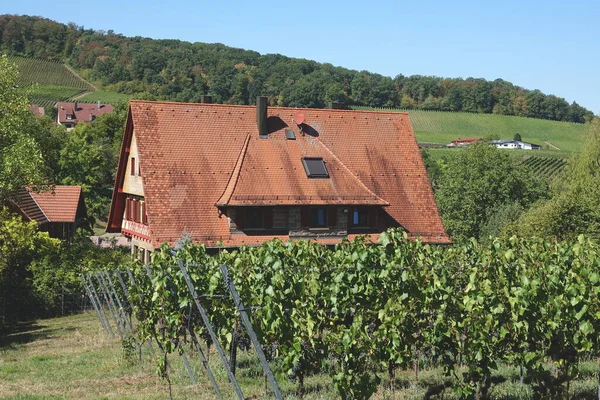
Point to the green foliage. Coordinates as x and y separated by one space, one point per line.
21 162
546 167
478 181
357 309
573 207
89 158
57 272
181 71
19 242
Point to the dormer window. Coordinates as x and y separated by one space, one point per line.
315 167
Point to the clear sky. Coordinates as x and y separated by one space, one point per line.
549 45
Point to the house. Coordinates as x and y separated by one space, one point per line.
228 175
59 211
70 114
514 144
464 142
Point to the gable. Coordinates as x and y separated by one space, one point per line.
132 182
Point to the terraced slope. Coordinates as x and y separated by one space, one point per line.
49 81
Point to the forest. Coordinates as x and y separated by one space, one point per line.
176 70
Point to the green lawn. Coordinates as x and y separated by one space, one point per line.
104 97
72 358
443 127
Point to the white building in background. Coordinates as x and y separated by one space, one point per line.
514 144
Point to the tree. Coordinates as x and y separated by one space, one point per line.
89 159
573 207
517 136
478 181
21 162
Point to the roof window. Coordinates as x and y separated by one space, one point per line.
290 135
315 167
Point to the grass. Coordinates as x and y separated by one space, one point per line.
104 97
443 127
72 358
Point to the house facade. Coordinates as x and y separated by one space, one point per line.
240 175
70 114
514 144
59 211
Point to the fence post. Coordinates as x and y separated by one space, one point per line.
211 332
248 325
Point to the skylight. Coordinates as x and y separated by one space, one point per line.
315 167
290 135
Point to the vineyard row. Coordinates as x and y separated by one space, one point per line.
358 310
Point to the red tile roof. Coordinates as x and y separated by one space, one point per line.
270 172
82 113
58 205
37 110
193 156
466 140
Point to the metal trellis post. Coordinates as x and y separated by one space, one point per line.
110 305
100 306
100 317
248 325
183 356
211 332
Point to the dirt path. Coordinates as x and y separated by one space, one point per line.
78 76
80 95
551 145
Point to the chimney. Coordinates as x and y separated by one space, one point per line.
76 109
206 99
261 117
98 105
335 105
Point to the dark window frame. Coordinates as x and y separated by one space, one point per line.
314 171
251 221
356 214
313 221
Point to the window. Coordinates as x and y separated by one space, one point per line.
69 116
360 217
290 135
315 167
127 210
318 217
132 166
255 218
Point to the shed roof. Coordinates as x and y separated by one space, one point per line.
57 205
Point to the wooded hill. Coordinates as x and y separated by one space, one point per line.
181 71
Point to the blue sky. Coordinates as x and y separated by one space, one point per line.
549 45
